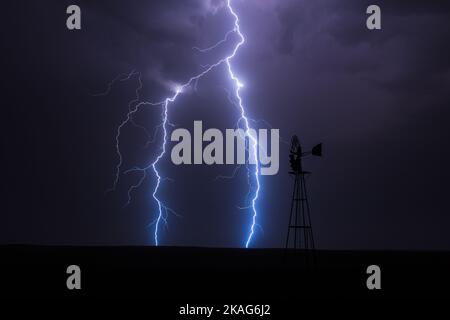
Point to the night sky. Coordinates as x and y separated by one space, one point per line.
378 100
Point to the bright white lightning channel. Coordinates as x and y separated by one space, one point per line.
253 143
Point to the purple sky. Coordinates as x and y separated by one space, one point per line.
378 100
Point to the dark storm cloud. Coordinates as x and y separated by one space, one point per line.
408 55
154 37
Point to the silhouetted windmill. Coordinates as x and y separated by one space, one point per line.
301 236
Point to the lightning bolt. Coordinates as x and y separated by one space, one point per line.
135 105
253 140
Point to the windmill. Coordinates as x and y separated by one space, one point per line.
300 235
